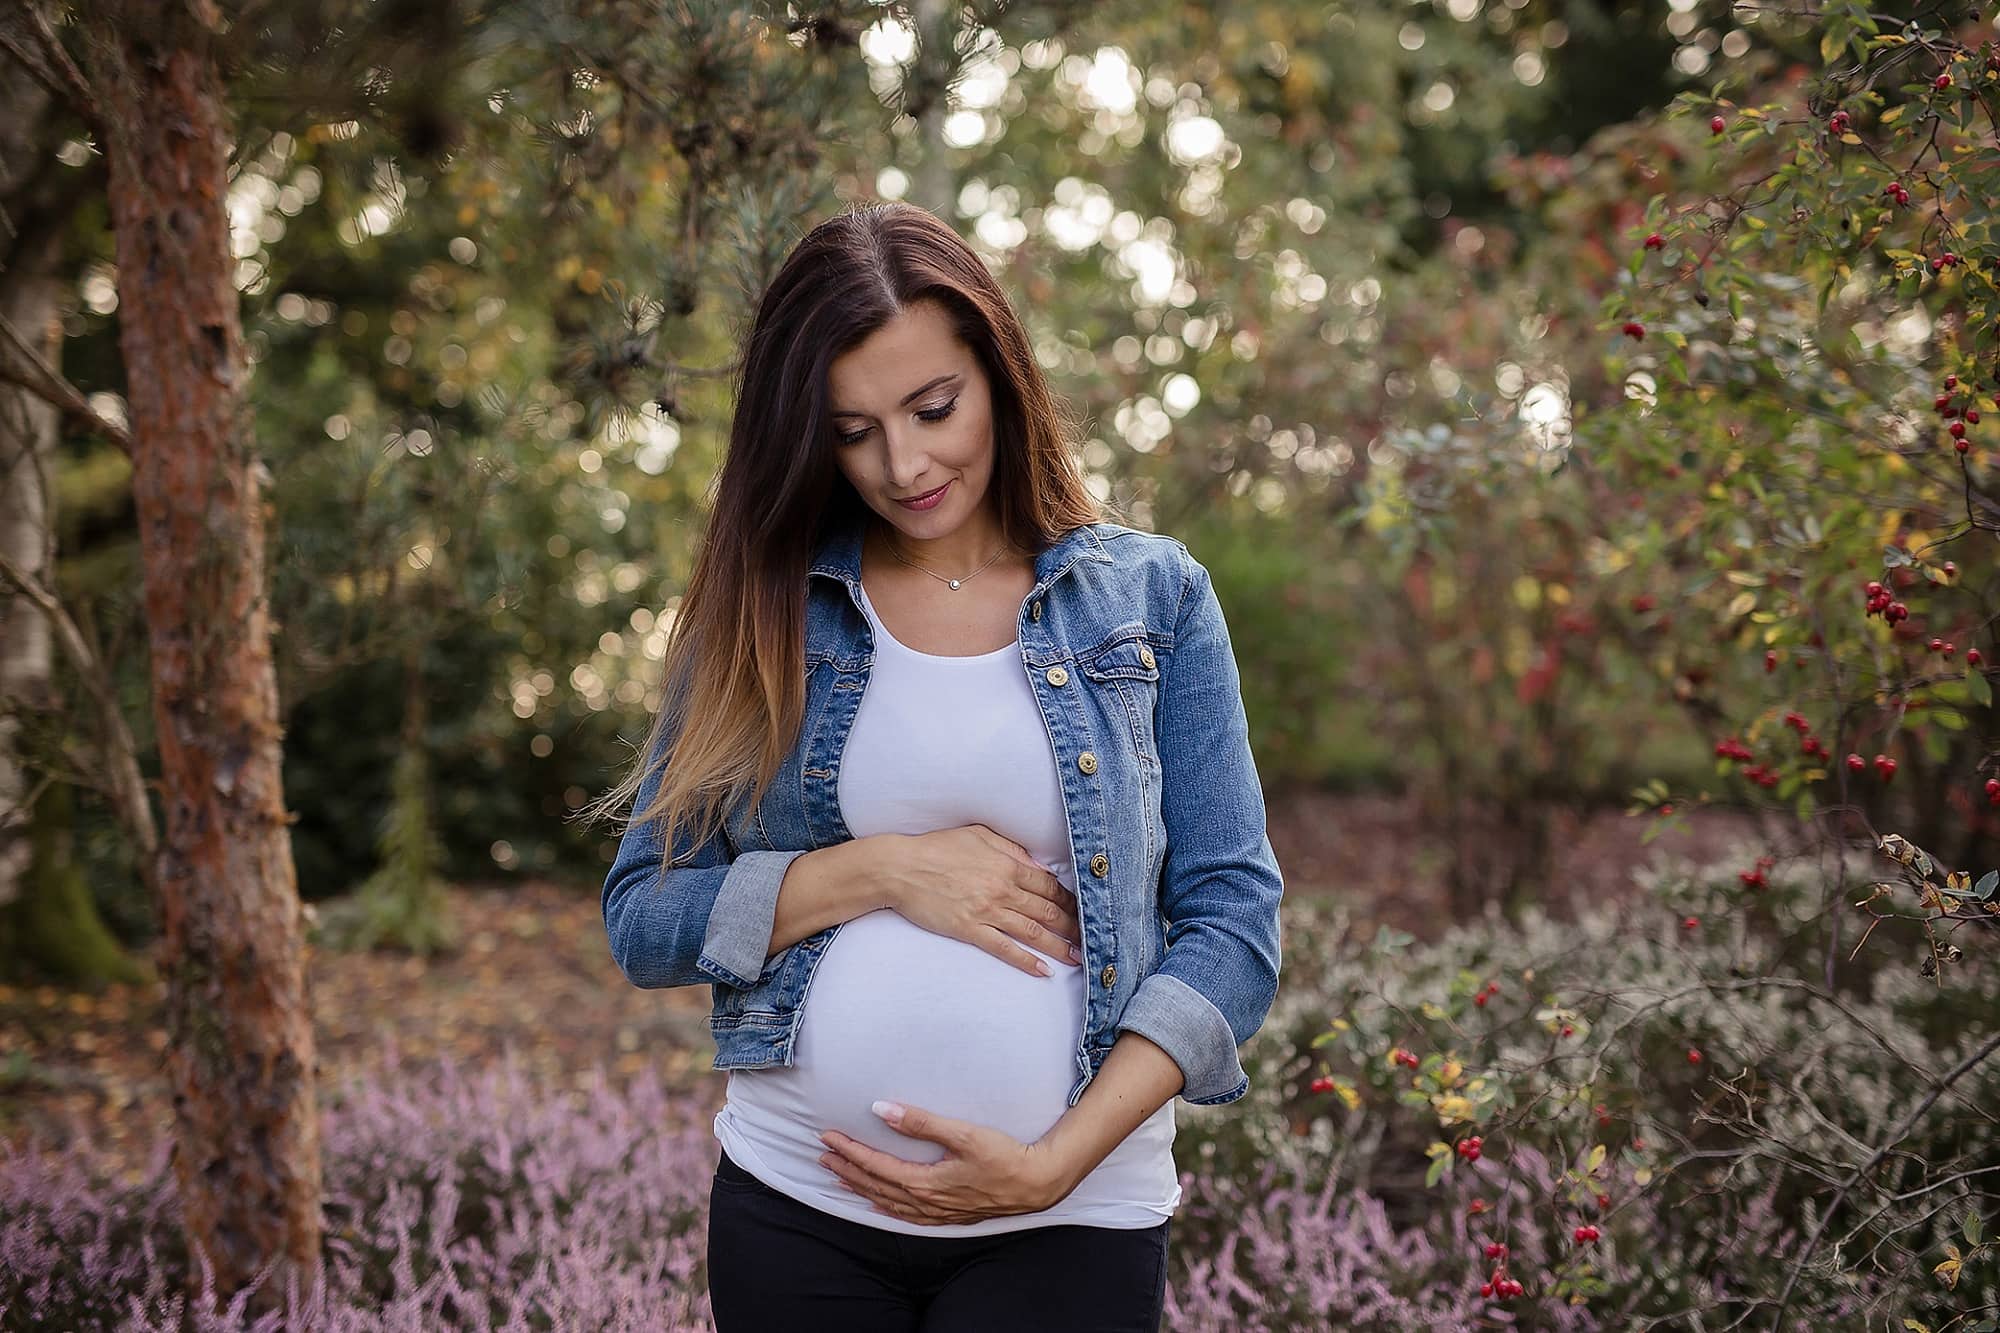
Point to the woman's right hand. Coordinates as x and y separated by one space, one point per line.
971 884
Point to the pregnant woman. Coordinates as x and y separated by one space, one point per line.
951 801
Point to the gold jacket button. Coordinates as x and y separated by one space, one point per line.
1145 654
1100 865
1058 676
1087 762
1035 611
1108 975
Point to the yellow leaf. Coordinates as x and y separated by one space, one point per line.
1643 1176
1916 1326
1948 1270
1596 1159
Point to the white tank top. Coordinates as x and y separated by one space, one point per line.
896 1012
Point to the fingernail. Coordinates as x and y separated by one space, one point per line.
887 1110
1075 954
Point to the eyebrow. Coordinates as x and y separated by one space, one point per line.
909 397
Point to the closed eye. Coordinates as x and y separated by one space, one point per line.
932 414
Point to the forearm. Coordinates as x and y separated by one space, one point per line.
825 887
1135 1080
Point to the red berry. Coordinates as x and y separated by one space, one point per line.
1856 762
1874 589
1993 786
1486 1289
1496 1250
1936 645
1771 659
1655 241
1694 1058
1941 81
1885 766
1692 923
1480 999
1950 570
1322 1084
1951 381
1568 1031
1634 330
1604 1201
1585 1234
1957 429
1964 446
1717 124
1973 657
1972 416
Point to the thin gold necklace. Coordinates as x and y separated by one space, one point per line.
948 582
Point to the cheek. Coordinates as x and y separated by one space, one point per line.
852 466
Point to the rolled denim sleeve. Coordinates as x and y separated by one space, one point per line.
708 918
1219 884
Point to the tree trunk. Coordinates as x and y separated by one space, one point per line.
49 924
27 462
240 1056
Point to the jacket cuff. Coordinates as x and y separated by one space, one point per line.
1186 1024
738 937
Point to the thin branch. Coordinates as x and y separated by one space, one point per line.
47 383
40 51
1930 1098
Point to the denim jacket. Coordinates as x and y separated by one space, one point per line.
1129 660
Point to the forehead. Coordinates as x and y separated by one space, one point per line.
914 347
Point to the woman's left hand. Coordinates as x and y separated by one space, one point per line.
984 1173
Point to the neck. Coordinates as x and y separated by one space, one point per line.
954 555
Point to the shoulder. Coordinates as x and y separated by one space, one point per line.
1161 562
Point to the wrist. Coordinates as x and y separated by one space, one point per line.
1057 1166
883 888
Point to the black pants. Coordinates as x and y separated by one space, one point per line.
777 1264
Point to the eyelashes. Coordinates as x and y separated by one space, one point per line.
931 414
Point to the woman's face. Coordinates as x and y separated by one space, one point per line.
911 413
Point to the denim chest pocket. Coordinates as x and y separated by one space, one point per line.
1125 668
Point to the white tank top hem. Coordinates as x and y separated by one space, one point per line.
894 1011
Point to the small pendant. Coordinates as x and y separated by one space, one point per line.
954 584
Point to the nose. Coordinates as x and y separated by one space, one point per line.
908 460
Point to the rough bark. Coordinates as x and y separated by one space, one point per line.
240 1057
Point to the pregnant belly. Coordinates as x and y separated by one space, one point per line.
897 1012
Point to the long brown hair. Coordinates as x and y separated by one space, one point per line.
734 693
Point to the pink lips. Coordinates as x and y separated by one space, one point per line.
928 500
